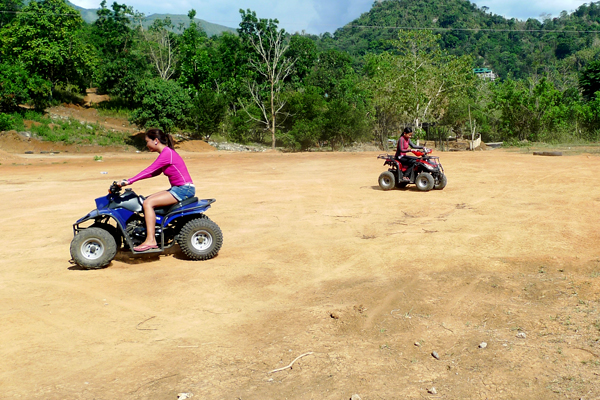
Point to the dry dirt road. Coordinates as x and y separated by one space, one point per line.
316 259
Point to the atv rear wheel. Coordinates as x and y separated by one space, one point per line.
200 239
440 182
387 180
93 248
424 181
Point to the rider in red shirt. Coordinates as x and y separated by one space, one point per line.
404 146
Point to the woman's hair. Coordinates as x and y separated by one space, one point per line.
162 137
408 129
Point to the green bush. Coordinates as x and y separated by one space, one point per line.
18 87
6 122
161 104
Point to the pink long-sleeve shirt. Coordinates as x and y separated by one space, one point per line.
171 164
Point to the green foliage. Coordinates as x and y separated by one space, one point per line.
19 87
160 104
417 81
590 118
303 51
10 7
304 126
207 112
589 80
68 131
533 47
6 122
45 38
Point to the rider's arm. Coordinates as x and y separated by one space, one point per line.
154 169
414 146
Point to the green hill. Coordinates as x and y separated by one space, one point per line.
89 16
508 46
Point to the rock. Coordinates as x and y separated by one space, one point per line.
432 391
355 397
183 396
521 335
482 345
435 355
417 344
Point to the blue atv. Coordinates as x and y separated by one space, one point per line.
117 220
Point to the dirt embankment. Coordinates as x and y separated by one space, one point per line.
23 143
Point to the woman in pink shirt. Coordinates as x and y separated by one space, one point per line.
171 164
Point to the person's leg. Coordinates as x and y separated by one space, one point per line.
159 199
408 162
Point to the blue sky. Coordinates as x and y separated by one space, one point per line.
316 16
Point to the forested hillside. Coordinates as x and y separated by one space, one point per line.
510 47
404 63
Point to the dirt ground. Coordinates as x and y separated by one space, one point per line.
317 262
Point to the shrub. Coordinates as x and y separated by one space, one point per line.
6 122
160 104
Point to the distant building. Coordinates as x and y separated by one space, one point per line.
485 73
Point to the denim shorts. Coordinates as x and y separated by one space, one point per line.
184 192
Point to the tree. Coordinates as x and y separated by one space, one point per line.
527 108
344 118
589 80
123 65
161 104
160 46
17 86
207 112
271 65
304 51
45 39
10 8
420 78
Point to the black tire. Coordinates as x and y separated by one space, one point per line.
200 239
424 181
93 248
441 182
387 180
112 230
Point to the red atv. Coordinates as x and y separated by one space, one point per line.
427 172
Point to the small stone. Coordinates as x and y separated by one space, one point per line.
183 396
482 345
432 391
417 344
435 355
521 335
355 397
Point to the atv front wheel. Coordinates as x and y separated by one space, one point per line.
110 229
200 239
440 182
93 248
387 180
424 181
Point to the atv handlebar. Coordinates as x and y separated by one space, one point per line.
115 188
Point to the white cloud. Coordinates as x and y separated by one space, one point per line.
531 9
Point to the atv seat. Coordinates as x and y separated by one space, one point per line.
169 209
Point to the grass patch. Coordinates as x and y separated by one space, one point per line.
114 108
69 131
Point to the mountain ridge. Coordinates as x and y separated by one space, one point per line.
89 16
